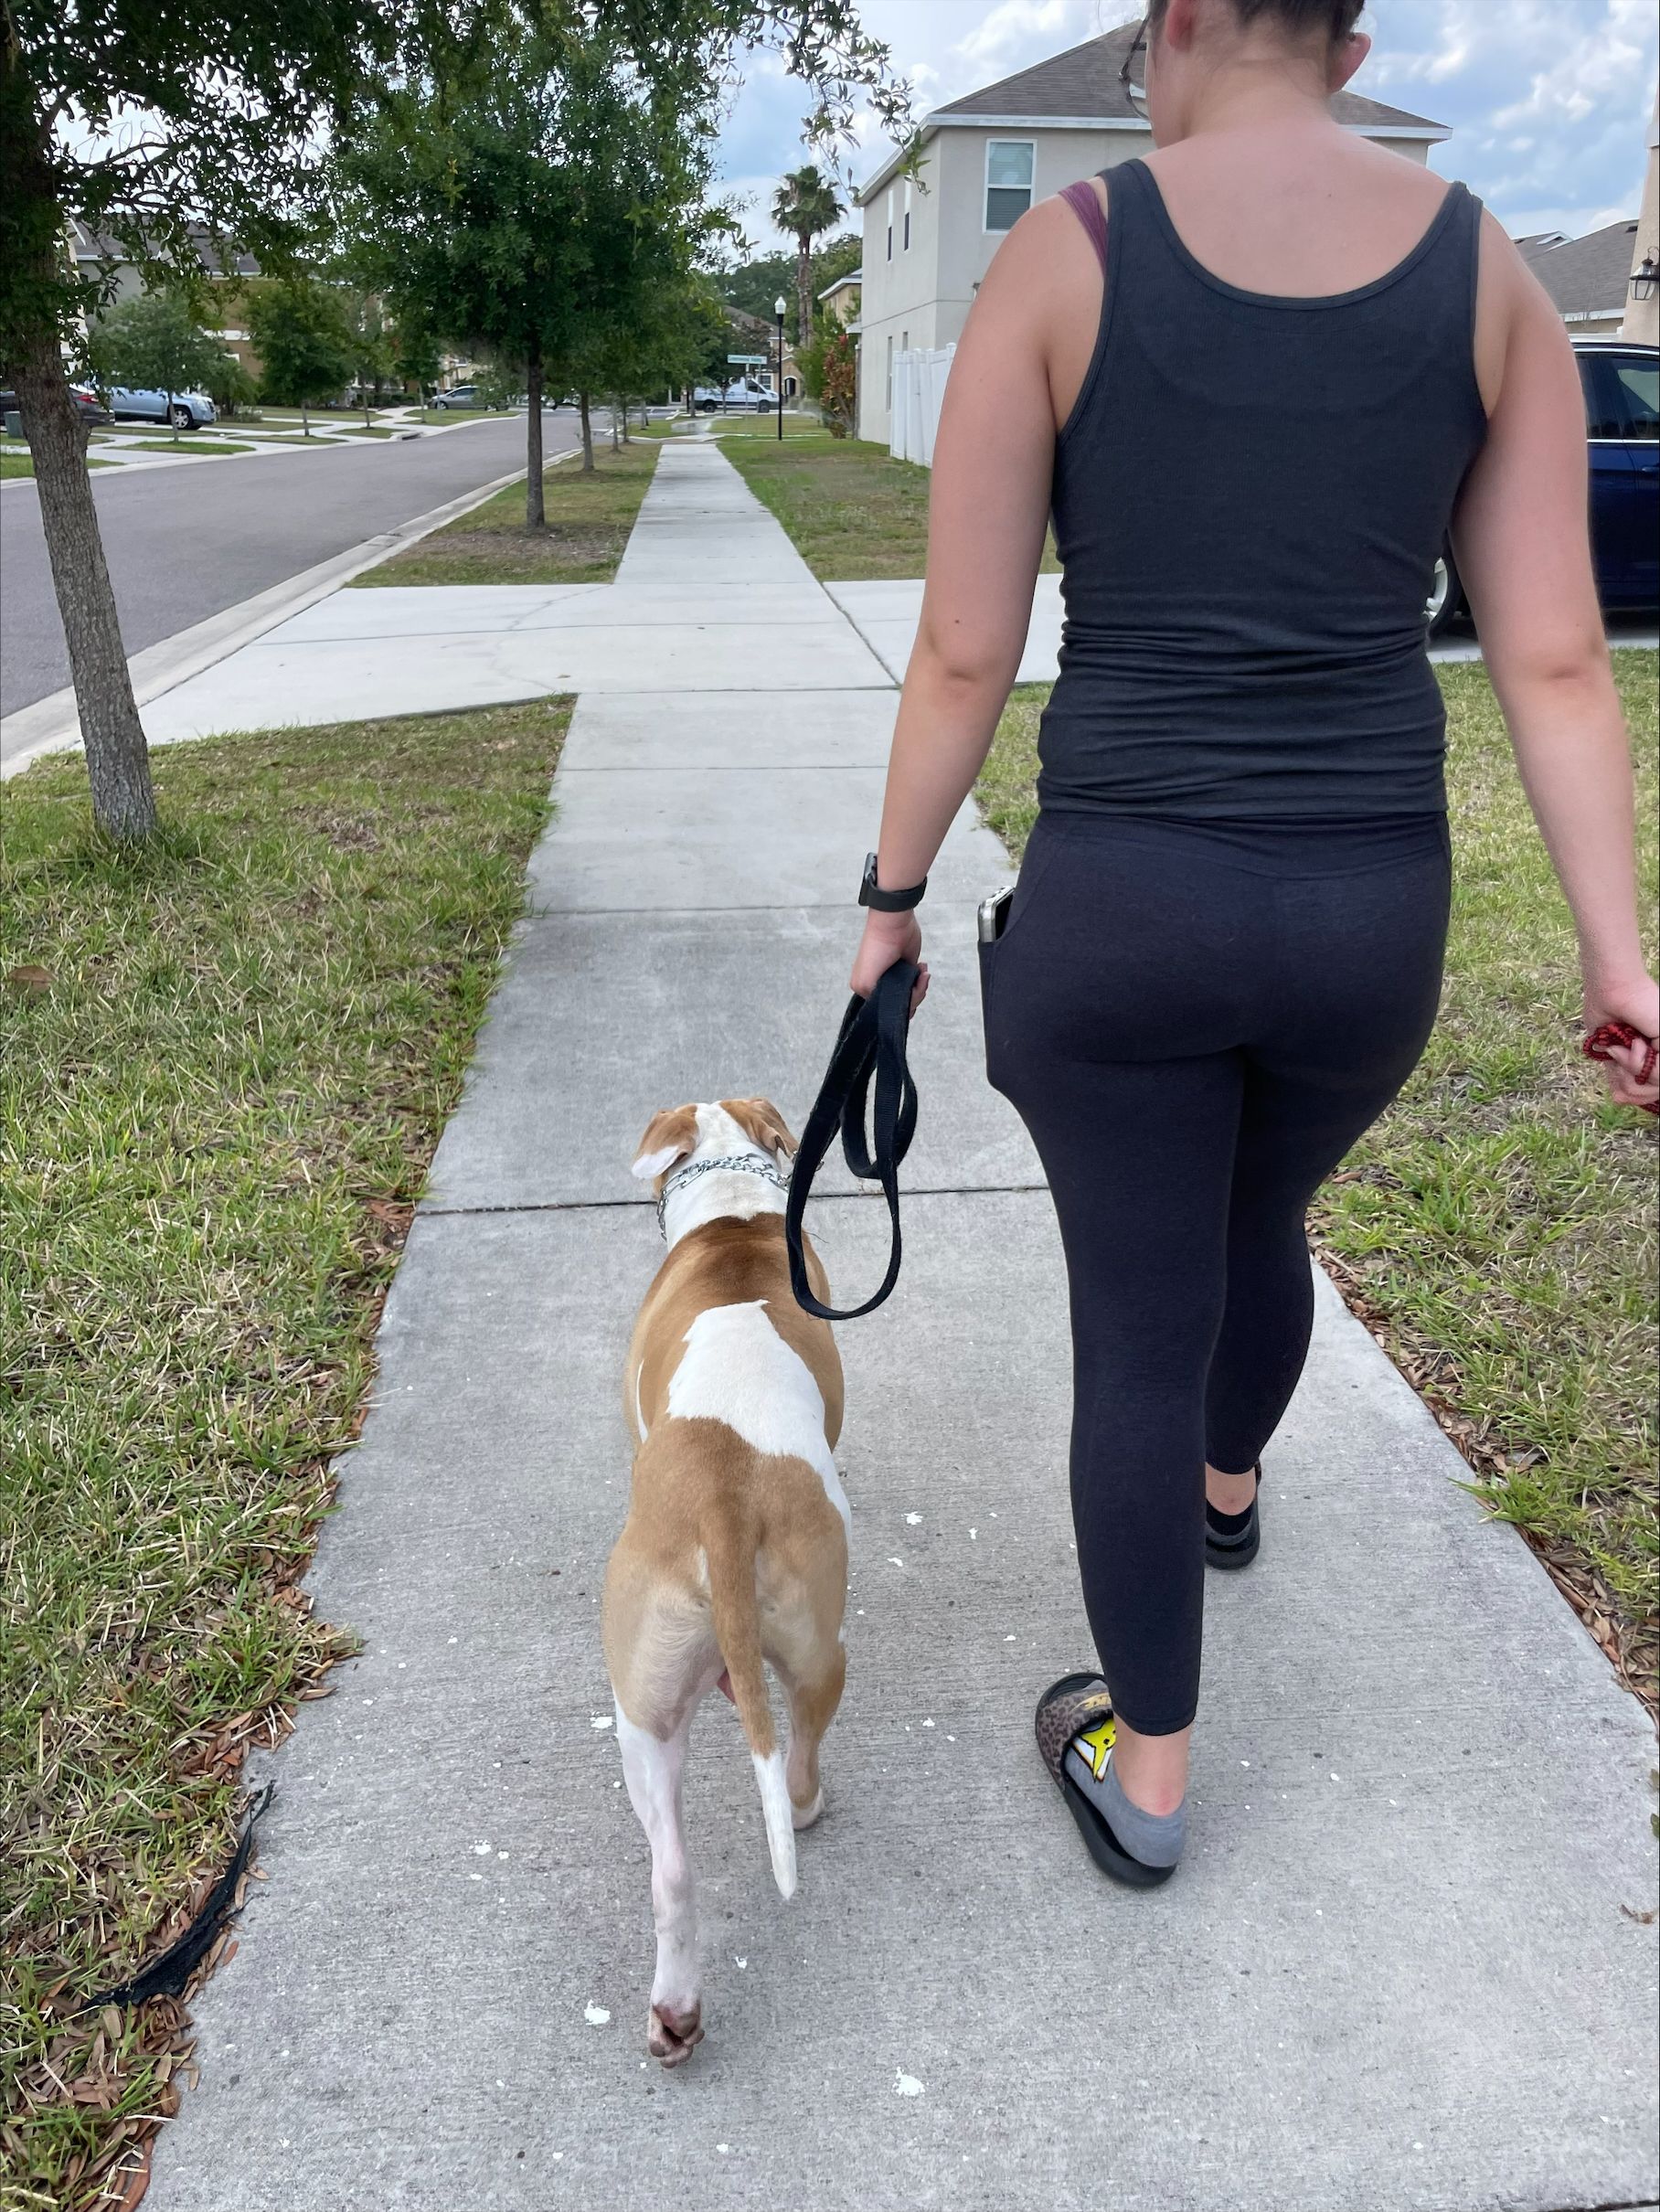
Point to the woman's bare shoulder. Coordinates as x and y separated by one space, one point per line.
1045 254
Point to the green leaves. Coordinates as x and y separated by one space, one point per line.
303 333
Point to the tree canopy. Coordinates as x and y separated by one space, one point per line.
753 285
551 214
301 331
806 205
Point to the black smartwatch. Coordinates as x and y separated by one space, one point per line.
888 902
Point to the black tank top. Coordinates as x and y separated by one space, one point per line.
1250 497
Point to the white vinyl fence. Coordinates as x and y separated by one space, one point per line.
918 387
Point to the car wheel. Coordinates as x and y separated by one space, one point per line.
1446 596
181 417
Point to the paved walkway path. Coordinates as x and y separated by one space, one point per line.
1394 1972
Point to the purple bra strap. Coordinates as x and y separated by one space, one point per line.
1085 204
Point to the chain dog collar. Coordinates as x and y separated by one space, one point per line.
742 1163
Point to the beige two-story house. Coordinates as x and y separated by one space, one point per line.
985 160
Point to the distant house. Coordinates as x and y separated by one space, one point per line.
984 159
1588 278
222 263
841 300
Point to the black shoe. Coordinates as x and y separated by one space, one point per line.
1232 1540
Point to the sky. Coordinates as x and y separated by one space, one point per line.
1550 101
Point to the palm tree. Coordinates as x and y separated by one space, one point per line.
806 205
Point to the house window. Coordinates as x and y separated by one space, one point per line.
1008 181
890 225
908 215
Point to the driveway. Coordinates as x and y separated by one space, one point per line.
184 543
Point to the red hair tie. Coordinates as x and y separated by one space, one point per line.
1600 1046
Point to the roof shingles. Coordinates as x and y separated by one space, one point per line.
1084 82
1589 275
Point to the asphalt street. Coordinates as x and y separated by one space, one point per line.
187 542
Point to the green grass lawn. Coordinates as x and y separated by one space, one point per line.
21 464
226 1060
1497 1226
589 519
851 509
202 448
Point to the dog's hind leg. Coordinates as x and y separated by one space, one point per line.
814 1691
653 1768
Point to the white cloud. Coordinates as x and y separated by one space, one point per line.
1009 29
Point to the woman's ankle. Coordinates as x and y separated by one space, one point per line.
1152 1769
1230 1493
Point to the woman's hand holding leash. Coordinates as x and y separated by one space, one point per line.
888 938
1622 1022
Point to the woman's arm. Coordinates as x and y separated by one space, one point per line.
1523 550
988 508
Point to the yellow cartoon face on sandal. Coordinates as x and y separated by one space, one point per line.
1095 1743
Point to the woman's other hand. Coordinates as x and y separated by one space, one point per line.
888 938
1637 1004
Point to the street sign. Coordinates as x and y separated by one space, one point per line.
749 360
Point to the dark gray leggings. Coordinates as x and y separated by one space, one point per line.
1196 1022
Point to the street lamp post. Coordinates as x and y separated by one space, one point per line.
777 309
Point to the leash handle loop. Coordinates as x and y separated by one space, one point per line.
1600 1046
870 1045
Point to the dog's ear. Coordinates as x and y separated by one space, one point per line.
760 1121
669 1136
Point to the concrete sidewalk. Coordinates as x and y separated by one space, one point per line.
1397 1972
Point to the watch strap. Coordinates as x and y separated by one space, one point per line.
872 895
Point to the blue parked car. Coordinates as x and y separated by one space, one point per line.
183 410
1621 385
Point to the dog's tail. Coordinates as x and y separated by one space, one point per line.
731 1556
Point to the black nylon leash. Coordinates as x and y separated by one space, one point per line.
872 1044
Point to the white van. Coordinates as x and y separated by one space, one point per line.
746 395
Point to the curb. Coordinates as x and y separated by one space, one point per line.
53 724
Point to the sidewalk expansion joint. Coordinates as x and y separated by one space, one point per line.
423 1212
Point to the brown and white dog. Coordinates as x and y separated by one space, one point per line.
734 1549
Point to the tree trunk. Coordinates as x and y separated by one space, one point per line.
118 760
804 307
172 425
587 434
614 422
306 420
536 512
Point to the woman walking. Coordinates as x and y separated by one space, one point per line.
1254 379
